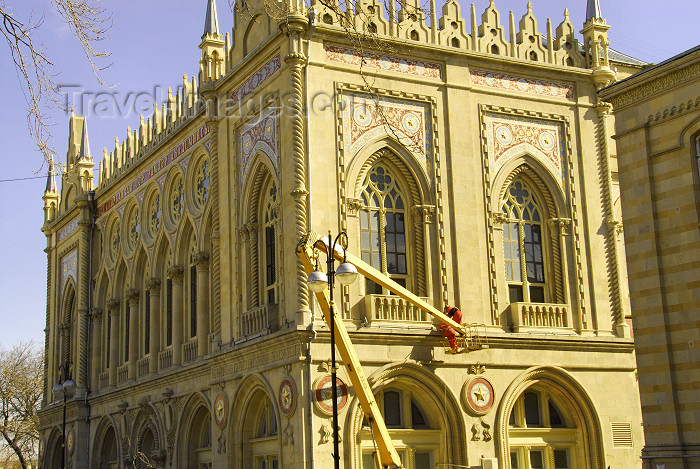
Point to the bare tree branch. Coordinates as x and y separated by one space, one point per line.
89 22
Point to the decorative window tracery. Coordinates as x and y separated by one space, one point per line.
154 216
383 227
270 243
176 200
522 244
201 183
114 242
133 229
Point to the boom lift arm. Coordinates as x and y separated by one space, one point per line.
387 455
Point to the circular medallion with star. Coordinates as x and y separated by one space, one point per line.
287 397
478 395
323 394
220 409
70 442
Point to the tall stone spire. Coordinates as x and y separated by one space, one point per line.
211 65
593 10
84 151
211 23
51 185
51 195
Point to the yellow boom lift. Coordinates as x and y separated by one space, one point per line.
386 456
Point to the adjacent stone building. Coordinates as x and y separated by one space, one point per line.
657 129
468 161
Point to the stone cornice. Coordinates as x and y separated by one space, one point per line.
646 85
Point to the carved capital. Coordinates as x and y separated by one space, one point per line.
423 213
176 272
295 58
614 225
603 108
97 314
559 226
153 284
132 295
201 259
300 193
113 305
498 219
353 206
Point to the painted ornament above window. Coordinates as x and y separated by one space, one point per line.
260 135
369 118
512 136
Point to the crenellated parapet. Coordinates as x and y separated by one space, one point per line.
490 36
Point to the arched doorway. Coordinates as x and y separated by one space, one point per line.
546 420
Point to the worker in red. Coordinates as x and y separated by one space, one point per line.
455 314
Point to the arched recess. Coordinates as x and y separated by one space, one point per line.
101 297
194 442
575 404
147 435
54 449
432 431
256 32
415 194
259 232
67 325
526 172
119 292
106 453
254 426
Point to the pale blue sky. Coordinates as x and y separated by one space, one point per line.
153 43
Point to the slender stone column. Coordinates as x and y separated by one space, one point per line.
153 286
132 297
113 308
176 273
203 311
96 360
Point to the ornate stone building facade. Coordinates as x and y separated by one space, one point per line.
657 124
468 161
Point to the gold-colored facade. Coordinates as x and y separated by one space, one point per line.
657 130
469 165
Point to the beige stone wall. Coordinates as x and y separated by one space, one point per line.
454 123
656 131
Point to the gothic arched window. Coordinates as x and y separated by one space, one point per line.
383 227
522 244
192 273
269 244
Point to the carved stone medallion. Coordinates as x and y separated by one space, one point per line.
323 394
478 395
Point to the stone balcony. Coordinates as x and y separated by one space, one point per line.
391 308
258 320
540 317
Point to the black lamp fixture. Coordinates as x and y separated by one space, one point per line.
64 389
346 273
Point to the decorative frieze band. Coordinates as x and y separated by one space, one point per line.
383 62
523 85
155 169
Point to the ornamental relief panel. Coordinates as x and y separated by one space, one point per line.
261 136
511 136
69 267
366 118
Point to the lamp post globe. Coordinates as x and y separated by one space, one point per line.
346 273
317 281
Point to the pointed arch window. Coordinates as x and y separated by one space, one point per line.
522 244
383 227
193 287
269 241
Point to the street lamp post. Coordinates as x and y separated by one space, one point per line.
317 282
64 389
